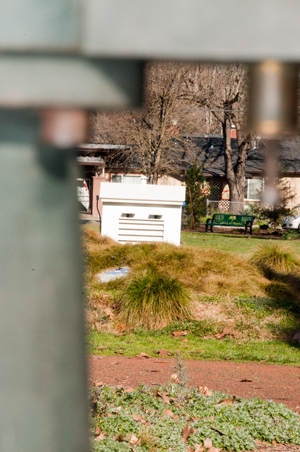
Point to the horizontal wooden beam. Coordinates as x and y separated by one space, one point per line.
201 30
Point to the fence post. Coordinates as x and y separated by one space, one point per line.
42 360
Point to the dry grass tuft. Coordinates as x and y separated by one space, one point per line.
92 236
276 257
210 271
153 300
210 278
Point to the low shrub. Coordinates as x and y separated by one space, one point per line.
159 419
276 257
290 234
153 300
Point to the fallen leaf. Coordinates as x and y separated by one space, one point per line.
168 412
175 379
186 432
199 448
273 442
134 441
221 335
228 402
179 333
109 415
143 355
99 383
129 390
204 390
119 438
97 431
211 418
163 352
136 417
165 397
99 437
214 449
185 340
207 443
102 347
109 312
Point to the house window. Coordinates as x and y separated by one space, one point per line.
124 179
253 188
131 179
116 179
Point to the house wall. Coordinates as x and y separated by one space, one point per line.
295 187
294 184
168 180
97 180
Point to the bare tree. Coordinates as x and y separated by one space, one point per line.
223 91
154 133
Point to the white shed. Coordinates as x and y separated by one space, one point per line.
142 213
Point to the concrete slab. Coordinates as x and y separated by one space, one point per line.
111 275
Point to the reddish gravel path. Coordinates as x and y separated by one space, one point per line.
279 383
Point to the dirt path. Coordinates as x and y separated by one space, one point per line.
265 381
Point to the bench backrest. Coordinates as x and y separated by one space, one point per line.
231 220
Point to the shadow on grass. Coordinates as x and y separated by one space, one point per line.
284 288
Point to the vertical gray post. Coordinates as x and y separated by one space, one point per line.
43 405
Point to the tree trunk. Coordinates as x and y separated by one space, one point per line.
235 174
157 159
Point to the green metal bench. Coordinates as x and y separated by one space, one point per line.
236 221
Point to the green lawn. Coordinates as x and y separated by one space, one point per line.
276 352
234 244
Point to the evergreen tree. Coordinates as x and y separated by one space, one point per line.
196 194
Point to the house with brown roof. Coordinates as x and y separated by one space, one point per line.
98 166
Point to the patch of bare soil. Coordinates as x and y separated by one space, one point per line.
264 381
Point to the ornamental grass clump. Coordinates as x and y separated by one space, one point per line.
152 300
278 258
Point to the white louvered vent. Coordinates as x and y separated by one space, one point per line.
132 230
